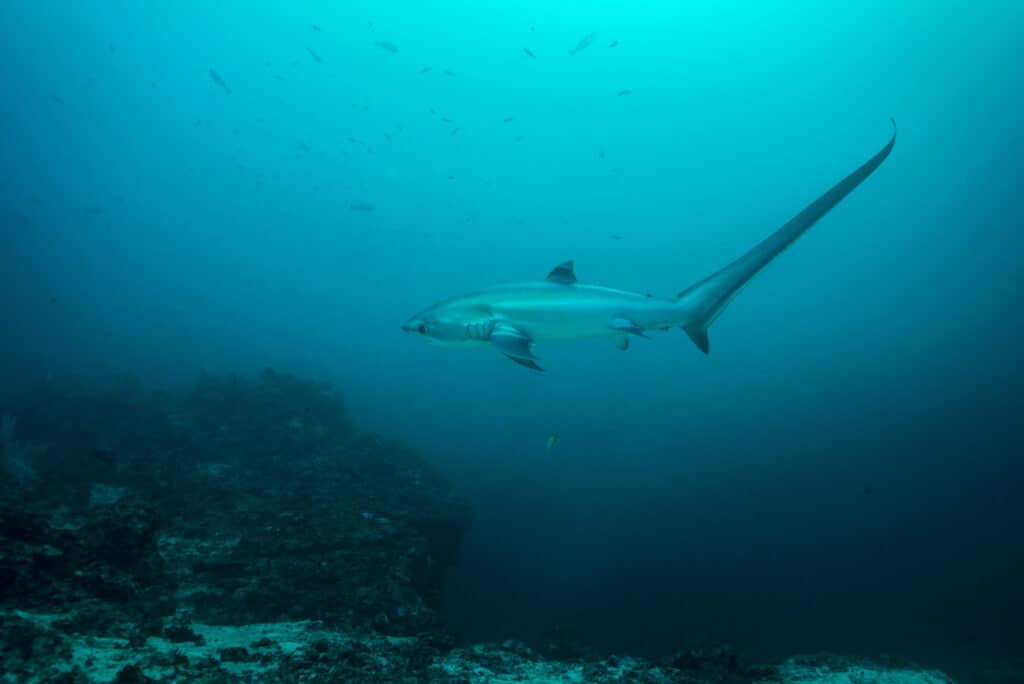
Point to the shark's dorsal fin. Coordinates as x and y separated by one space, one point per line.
562 273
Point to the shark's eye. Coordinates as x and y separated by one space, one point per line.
421 329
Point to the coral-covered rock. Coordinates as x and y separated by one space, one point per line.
244 500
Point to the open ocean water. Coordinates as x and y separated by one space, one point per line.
223 459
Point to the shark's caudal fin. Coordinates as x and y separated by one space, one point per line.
705 300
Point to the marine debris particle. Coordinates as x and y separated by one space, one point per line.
362 206
584 43
386 45
217 79
624 92
529 52
313 54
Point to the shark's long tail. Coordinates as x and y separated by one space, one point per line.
705 300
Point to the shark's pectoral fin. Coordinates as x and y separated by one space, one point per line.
627 326
515 344
699 335
529 363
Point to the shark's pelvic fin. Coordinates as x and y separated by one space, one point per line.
515 344
562 273
627 326
705 300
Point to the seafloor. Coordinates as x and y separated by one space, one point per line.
247 532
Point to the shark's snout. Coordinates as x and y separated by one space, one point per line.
414 325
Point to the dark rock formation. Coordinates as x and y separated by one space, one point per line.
243 501
245 532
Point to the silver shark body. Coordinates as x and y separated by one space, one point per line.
511 318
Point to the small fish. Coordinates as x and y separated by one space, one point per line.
315 27
455 130
615 236
509 119
304 147
529 52
623 92
518 138
425 70
614 43
94 210
584 43
551 441
449 72
57 99
216 78
313 54
386 45
362 206
446 119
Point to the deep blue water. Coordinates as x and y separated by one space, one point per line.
842 472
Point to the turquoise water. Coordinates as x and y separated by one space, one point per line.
841 472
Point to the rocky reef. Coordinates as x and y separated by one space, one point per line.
245 531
